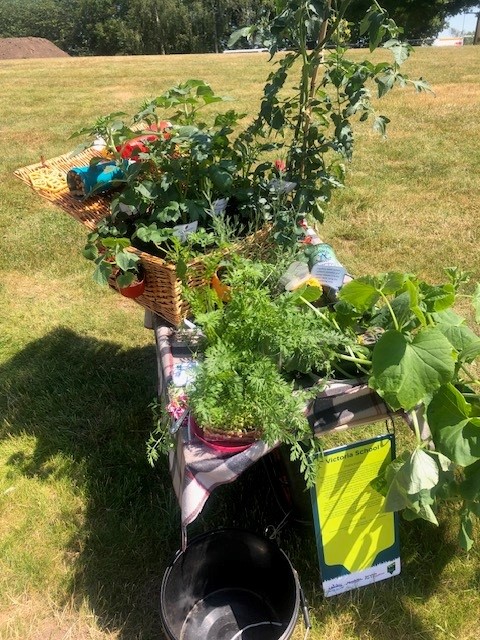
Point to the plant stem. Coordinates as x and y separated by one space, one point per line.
355 359
333 323
416 427
319 313
389 306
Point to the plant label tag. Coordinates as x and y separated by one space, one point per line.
281 186
330 273
183 373
182 231
178 422
219 207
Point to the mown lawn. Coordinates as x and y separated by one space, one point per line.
86 526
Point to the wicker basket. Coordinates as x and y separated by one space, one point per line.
163 290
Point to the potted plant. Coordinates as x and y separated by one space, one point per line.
186 173
115 265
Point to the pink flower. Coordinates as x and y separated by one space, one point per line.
280 165
177 406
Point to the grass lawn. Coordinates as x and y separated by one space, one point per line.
86 526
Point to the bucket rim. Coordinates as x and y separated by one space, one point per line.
225 530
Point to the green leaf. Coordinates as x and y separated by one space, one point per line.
360 293
102 273
211 99
393 282
455 432
380 125
125 279
466 530
221 178
414 305
448 317
181 268
146 189
126 260
421 86
406 373
421 508
116 244
438 298
469 488
400 306
471 352
411 482
238 34
463 339
400 50
423 472
385 83
90 252
445 463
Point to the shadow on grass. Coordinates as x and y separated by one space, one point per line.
88 401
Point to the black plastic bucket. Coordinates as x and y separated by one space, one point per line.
230 585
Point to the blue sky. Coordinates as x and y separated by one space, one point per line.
465 22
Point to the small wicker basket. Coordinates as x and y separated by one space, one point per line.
163 289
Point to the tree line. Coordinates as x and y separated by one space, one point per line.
143 27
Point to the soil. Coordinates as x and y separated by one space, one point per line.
30 47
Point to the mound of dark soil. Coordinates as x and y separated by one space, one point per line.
29 48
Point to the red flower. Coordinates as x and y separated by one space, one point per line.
280 165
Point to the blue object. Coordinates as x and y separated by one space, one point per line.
95 178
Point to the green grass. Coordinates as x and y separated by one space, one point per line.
86 526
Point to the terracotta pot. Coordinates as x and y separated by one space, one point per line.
134 290
222 442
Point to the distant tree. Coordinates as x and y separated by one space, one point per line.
50 19
212 21
100 27
419 19
109 27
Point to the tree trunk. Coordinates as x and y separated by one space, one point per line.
476 37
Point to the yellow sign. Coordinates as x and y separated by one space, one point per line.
357 539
